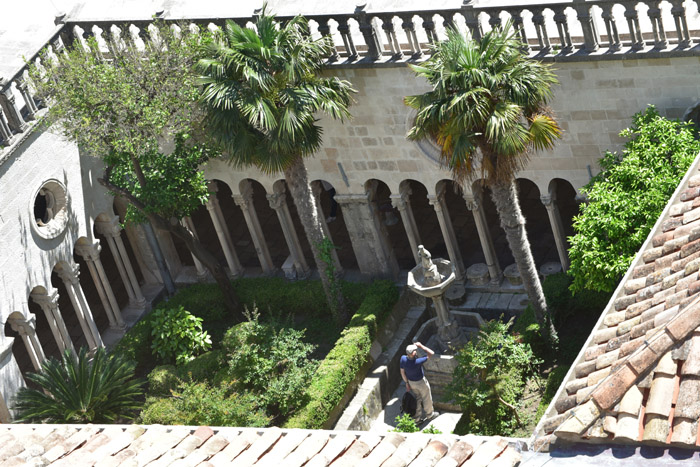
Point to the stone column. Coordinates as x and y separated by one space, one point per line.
91 255
402 202
9 106
26 328
317 188
245 201
217 218
11 380
474 205
550 202
448 233
49 305
70 277
278 202
112 231
201 270
370 243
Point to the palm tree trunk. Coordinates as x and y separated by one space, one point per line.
505 197
300 189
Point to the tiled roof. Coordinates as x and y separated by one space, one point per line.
156 445
637 380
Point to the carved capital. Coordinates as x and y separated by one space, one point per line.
473 202
212 203
109 228
245 198
71 273
47 301
277 200
89 252
213 187
399 202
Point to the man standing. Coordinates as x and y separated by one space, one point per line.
412 374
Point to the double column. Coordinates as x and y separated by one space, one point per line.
475 206
49 305
278 202
112 231
222 233
448 234
26 328
317 189
91 255
402 202
550 202
245 201
69 274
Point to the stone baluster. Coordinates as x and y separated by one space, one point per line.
410 30
567 45
471 19
448 234
91 255
65 37
325 30
374 47
517 19
632 17
549 201
316 189
344 30
9 107
89 39
474 204
495 19
541 29
5 132
591 40
657 26
448 21
112 231
402 202
614 42
278 202
187 223
113 37
222 233
70 277
388 26
26 328
23 88
429 28
49 305
679 17
245 201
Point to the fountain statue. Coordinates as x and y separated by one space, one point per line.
431 278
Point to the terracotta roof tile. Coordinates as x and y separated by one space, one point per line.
656 429
623 302
616 342
689 193
607 359
648 292
670 224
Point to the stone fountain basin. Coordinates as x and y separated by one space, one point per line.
416 279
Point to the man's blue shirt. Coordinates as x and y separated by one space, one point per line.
413 368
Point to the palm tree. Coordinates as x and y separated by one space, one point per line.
80 390
262 92
487 110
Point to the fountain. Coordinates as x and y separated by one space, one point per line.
431 278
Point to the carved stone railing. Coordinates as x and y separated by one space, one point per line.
564 30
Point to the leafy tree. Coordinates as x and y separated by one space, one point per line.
85 389
490 379
262 91
626 198
487 110
136 109
177 335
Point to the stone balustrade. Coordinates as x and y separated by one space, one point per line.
553 31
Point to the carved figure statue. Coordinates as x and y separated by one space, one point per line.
430 270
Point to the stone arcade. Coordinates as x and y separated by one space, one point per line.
72 276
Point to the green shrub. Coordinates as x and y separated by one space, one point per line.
162 379
202 404
177 335
205 367
136 343
554 380
490 379
432 429
271 362
343 363
405 424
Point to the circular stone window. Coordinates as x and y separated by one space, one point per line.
50 209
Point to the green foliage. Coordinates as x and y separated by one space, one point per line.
162 379
344 362
490 378
554 380
263 94
270 361
201 404
432 429
177 335
405 424
80 389
136 344
325 251
627 197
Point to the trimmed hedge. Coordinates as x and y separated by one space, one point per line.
343 363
